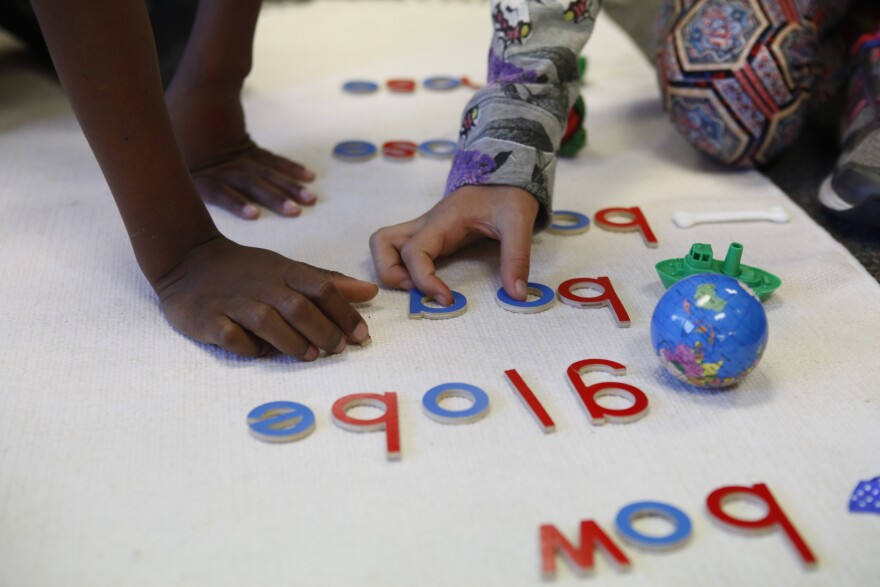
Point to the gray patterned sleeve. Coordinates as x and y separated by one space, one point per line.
512 128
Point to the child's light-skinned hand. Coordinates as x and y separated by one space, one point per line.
404 254
250 301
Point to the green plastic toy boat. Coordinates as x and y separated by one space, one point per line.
700 260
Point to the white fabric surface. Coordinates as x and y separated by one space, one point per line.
124 454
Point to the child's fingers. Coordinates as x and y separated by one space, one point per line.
286 166
396 276
287 184
352 289
309 321
418 254
256 176
225 333
264 192
389 267
251 301
385 246
220 194
328 315
516 245
265 322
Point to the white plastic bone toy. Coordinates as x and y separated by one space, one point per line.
688 219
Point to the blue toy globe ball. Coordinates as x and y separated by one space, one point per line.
709 330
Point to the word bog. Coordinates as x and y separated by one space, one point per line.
544 298
440 83
355 151
284 421
580 556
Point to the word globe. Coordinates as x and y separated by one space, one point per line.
709 330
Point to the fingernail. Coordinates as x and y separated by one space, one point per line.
361 333
521 289
250 211
289 208
311 354
307 196
340 347
442 301
308 174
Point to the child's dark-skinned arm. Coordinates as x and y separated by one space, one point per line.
244 299
204 100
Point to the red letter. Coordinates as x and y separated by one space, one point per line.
387 421
465 81
579 558
637 221
532 402
608 296
589 393
399 150
775 516
401 86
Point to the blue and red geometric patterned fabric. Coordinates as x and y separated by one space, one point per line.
737 75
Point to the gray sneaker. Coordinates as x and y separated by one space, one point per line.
853 190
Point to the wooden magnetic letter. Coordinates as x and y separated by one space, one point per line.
466 81
441 83
567 223
401 86
543 294
637 221
438 148
589 393
775 516
419 309
607 297
579 558
389 421
399 150
354 151
281 422
360 87
642 509
532 403
478 410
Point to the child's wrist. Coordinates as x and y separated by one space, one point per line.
159 253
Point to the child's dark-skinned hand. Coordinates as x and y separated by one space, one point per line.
228 168
204 101
251 301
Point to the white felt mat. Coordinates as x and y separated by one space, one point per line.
124 454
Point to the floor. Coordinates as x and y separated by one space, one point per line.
802 169
125 456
